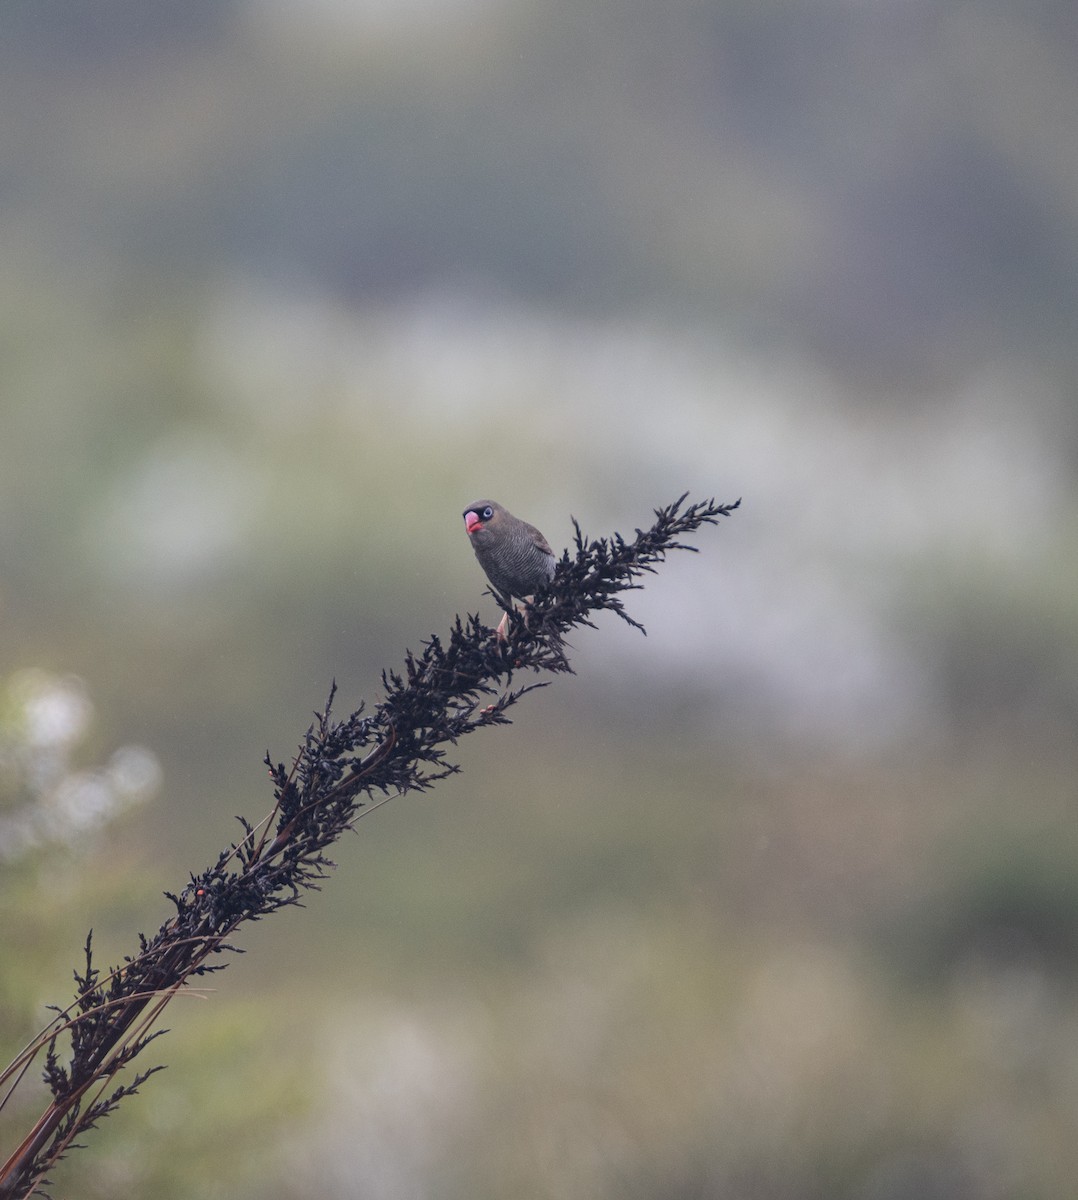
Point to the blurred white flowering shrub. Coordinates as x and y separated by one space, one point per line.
45 799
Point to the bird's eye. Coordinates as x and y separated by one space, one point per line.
487 513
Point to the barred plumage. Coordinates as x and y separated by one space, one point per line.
514 555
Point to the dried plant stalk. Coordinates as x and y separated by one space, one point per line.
342 769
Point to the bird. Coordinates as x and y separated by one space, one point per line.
514 555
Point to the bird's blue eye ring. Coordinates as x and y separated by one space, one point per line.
487 513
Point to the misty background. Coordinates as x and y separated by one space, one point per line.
778 902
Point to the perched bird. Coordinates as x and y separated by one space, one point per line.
516 557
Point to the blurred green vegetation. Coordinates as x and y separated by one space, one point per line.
778 902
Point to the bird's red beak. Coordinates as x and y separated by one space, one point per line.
472 521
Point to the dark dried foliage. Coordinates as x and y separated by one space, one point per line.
342 769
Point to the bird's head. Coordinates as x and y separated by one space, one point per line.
481 515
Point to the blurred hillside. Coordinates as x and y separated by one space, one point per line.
776 902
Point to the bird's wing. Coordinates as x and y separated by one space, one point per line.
538 539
